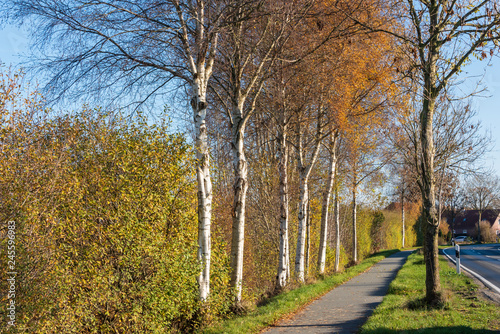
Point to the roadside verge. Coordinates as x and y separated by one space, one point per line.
473 273
404 309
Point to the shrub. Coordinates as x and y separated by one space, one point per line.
106 223
488 234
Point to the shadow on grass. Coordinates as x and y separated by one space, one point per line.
276 295
419 263
271 307
433 330
353 326
422 304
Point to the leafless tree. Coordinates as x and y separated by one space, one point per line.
482 193
442 35
453 200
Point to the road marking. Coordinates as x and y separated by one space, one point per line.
481 278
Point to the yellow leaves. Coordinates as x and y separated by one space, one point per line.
102 203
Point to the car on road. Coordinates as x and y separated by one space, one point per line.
459 239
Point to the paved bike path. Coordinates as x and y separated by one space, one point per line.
346 308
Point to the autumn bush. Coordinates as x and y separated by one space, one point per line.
392 227
105 221
330 259
488 234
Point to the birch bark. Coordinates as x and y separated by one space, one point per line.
200 56
199 106
304 173
337 231
301 238
327 194
240 186
243 86
308 237
284 254
403 220
354 230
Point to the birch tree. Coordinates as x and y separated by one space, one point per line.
258 34
307 146
482 193
131 51
337 225
405 193
349 57
323 31
454 202
327 194
282 116
255 34
402 191
364 164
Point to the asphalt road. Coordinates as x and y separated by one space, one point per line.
482 259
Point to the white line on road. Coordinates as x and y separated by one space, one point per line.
481 278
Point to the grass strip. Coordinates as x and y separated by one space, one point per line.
289 302
403 310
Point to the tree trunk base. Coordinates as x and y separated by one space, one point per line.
238 308
436 303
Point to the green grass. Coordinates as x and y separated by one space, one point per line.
402 310
291 301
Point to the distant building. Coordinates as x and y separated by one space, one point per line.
464 222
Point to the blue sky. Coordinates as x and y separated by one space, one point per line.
14 42
487 102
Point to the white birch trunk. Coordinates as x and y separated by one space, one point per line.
199 105
324 211
240 166
304 173
287 256
337 230
200 54
354 231
301 238
308 236
403 219
284 253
